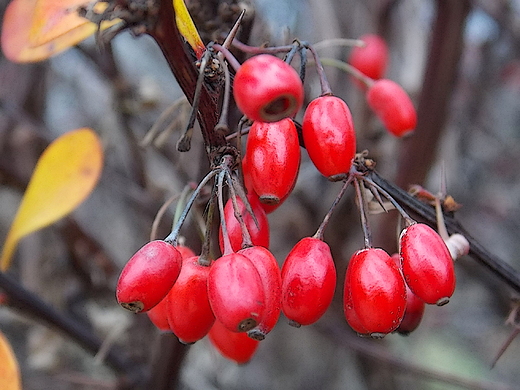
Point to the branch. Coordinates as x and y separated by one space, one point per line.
181 63
498 267
28 302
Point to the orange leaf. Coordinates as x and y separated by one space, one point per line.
34 30
187 27
9 370
64 176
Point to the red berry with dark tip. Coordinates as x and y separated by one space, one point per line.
234 346
270 273
393 107
308 281
329 136
427 264
377 291
189 312
267 89
273 159
236 292
148 276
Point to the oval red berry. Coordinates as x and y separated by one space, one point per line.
329 135
393 107
148 276
236 293
190 316
273 159
308 281
371 59
427 264
377 290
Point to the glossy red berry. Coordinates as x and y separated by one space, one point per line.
148 276
259 234
268 208
329 136
189 313
427 264
159 315
308 281
236 292
267 89
393 107
415 306
371 59
185 252
270 274
377 291
273 159
350 314
234 346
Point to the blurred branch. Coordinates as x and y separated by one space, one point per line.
29 303
375 351
418 152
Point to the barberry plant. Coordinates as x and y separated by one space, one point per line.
235 291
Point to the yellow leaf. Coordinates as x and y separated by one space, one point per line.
187 27
9 370
66 173
34 30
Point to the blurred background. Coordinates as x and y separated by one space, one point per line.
458 59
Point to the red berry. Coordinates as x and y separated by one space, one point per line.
185 252
148 276
267 89
259 234
189 312
234 346
377 291
236 292
268 208
159 315
273 159
427 264
393 106
308 281
371 59
414 307
329 135
269 272
350 314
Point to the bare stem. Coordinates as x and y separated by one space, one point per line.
409 221
173 236
246 237
184 143
339 42
225 234
325 86
348 69
204 258
324 223
362 212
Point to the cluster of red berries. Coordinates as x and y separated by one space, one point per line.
237 299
